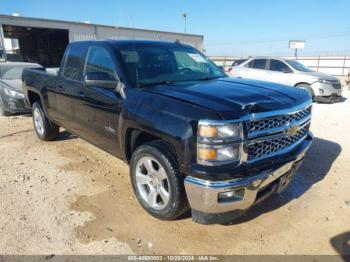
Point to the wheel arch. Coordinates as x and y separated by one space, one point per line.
33 97
302 83
135 138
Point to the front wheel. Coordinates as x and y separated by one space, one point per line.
308 89
44 129
157 182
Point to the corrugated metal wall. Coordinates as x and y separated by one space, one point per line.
81 31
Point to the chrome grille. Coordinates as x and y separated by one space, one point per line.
267 147
265 124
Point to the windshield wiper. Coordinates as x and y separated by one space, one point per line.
164 82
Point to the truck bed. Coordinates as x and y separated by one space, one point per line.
38 79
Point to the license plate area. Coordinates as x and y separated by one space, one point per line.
285 180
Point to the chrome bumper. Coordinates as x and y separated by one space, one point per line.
204 195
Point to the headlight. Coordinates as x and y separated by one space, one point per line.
218 130
216 155
13 93
218 142
322 81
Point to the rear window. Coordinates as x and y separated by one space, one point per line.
257 64
73 67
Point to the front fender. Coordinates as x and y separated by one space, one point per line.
171 120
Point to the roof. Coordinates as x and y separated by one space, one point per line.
92 24
130 43
265 57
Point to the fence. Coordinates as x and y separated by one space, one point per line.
333 65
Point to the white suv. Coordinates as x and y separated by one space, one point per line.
321 86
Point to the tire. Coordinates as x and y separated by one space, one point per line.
44 129
308 88
157 182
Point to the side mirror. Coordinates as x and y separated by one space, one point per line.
100 79
221 68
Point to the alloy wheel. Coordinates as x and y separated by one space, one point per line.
152 182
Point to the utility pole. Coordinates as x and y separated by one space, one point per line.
185 20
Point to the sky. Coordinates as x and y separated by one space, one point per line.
230 27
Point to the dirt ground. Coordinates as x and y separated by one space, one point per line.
68 197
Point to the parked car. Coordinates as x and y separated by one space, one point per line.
322 87
11 91
192 137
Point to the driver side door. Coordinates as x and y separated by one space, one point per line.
100 104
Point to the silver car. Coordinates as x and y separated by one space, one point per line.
11 92
321 86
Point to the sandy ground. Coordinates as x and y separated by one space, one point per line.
68 197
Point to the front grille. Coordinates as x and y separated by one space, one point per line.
277 121
337 85
267 147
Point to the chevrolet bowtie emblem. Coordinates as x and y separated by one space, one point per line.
292 130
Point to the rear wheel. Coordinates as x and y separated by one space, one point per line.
44 129
307 88
157 182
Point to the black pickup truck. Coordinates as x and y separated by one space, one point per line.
193 137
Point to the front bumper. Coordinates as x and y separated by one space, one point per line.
15 105
209 208
325 90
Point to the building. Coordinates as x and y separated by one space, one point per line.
43 41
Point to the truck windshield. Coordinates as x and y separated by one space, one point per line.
298 66
155 65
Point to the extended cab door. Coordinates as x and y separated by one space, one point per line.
98 109
255 69
68 85
280 73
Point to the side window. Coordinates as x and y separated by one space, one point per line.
99 64
279 66
257 64
73 67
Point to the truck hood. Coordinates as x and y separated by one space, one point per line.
15 85
233 98
320 75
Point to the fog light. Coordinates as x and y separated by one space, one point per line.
230 196
256 182
12 105
321 91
